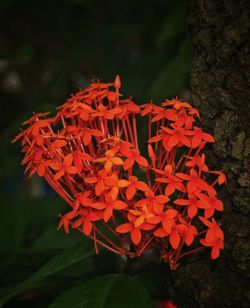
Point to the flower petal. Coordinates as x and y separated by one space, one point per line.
174 239
136 236
124 228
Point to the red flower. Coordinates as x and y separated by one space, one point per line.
135 231
168 304
194 182
63 167
132 157
108 205
100 181
153 202
198 161
213 204
177 136
188 232
193 204
149 108
214 237
88 133
199 136
89 154
134 185
106 113
85 222
173 182
115 184
110 159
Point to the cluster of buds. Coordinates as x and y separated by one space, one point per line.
89 154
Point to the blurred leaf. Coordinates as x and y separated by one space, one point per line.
174 24
29 218
108 262
53 239
61 261
24 54
110 291
11 225
173 77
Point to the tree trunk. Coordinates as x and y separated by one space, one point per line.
220 84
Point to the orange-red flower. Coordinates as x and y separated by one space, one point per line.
176 104
88 133
167 220
149 108
194 181
99 180
187 231
89 154
177 136
109 160
106 113
64 167
86 220
212 202
214 237
199 136
168 114
134 185
108 205
115 184
132 157
173 182
193 204
130 227
153 202
198 161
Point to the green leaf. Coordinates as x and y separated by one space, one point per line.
37 214
173 77
61 261
53 239
174 24
109 291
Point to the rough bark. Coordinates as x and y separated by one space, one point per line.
220 84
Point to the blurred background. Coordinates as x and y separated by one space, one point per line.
50 49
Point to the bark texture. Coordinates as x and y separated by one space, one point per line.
220 84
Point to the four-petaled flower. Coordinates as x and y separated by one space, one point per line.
172 182
130 227
63 167
109 160
108 205
193 204
168 227
134 185
132 157
214 237
199 136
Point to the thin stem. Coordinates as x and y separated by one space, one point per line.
191 251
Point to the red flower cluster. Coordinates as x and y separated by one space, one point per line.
89 154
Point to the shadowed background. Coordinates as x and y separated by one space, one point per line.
48 50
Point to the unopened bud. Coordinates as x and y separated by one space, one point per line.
151 152
117 83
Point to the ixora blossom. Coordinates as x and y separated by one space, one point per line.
89 154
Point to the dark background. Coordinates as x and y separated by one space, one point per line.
51 49
48 50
